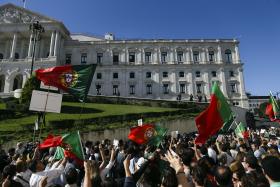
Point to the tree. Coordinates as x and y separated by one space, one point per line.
31 84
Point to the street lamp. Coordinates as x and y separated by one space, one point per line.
36 30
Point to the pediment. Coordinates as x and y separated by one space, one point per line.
10 14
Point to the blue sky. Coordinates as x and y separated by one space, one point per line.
256 23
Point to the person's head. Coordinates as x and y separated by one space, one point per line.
238 171
169 178
187 155
223 176
255 145
240 156
243 148
198 176
251 162
71 175
206 163
11 152
21 166
271 168
36 166
9 171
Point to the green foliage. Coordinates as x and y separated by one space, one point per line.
31 84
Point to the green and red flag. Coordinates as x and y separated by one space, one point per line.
147 133
70 141
217 117
273 110
241 131
73 79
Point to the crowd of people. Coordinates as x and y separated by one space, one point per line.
225 161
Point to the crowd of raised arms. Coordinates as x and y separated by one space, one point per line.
224 160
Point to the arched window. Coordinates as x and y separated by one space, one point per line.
228 56
2 83
17 82
1 56
16 56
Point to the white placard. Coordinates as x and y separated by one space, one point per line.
174 134
262 131
140 122
45 101
43 86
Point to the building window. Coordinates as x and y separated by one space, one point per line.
149 89
214 74
148 74
16 56
132 75
116 90
99 58
148 57
163 57
83 58
182 88
115 75
98 89
231 73
228 56
181 74
211 56
233 88
165 89
197 73
131 57
115 58
99 76
68 58
165 74
132 89
180 57
1 56
196 57
198 88
236 103
2 83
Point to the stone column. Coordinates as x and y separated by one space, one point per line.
42 43
14 45
206 56
56 43
191 84
6 55
219 55
21 50
242 87
191 55
51 44
224 82
171 56
207 84
188 56
237 56
29 54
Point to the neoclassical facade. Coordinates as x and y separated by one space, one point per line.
152 68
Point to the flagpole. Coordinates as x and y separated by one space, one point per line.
44 112
81 145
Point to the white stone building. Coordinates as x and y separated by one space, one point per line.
152 68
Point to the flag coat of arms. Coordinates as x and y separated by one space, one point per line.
74 79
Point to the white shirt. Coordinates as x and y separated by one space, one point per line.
212 154
51 174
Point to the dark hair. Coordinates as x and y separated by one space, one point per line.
71 176
186 154
199 175
169 178
203 150
271 165
252 161
33 166
9 170
223 175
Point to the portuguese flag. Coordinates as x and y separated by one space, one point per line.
71 141
147 133
217 117
241 131
273 110
75 80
